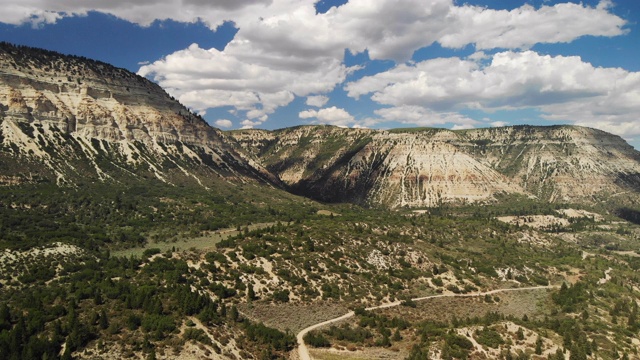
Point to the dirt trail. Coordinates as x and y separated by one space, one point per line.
303 351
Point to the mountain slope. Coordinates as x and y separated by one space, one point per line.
428 167
66 119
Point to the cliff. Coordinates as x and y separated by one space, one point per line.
429 167
67 117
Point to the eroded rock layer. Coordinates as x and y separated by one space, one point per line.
428 167
66 118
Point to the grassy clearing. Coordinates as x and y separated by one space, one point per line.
529 302
206 242
292 317
327 213
365 354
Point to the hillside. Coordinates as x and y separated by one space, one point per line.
67 119
430 167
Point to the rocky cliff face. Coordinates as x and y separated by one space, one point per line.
66 117
428 167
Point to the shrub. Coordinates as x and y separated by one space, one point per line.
316 340
488 337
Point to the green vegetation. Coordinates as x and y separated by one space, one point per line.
149 299
124 265
101 216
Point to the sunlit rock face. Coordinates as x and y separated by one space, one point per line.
54 106
430 167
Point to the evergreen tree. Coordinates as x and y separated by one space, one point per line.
577 353
538 350
5 317
234 315
104 321
418 353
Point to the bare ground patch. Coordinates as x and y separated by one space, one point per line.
369 353
291 317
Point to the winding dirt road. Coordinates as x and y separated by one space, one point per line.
303 351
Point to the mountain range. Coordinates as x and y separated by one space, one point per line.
67 119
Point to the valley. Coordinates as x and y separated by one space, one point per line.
130 228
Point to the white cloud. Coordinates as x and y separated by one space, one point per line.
202 79
526 25
248 124
563 88
462 127
224 123
422 116
284 49
317 100
142 12
387 30
478 56
21 13
289 34
499 123
332 116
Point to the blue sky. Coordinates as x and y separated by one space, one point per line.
364 63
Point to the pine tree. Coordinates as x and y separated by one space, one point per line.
234 314
538 346
577 353
5 317
396 336
104 321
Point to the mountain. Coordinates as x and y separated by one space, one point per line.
70 119
429 167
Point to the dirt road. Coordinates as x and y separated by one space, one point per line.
303 351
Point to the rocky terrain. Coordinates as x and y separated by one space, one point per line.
429 167
65 118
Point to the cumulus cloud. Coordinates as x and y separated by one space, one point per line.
499 123
224 123
19 13
290 34
202 78
248 124
145 12
526 25
563 88
422 116
462 127
317 100
331 116
284 49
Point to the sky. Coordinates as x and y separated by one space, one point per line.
363 63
